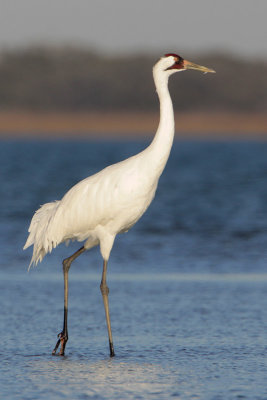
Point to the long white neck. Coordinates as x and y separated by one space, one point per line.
161 145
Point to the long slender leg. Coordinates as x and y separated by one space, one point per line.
63 336
105 291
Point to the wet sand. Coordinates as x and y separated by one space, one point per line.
130 125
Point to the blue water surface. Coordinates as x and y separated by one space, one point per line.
188 284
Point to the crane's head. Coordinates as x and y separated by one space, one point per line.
173 63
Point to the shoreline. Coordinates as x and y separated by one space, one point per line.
92 125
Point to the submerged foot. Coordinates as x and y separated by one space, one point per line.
111 350
62 340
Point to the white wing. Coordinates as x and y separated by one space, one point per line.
114 198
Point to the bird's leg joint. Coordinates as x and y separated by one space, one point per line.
104 289
66 265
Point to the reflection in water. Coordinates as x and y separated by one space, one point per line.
108 378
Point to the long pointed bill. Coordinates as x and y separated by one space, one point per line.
190 65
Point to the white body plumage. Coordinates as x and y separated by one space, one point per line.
111 201
99 207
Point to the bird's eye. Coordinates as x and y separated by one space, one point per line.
179 60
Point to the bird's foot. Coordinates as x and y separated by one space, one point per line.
62 340
111 349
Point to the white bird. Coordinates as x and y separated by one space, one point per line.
99 207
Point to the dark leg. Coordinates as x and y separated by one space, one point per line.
63 336
105 290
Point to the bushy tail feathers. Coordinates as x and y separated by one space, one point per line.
38 229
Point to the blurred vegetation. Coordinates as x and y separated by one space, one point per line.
76 79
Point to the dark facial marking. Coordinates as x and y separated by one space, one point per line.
179 61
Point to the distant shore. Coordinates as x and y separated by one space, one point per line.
110 125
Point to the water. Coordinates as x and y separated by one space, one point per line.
188 283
